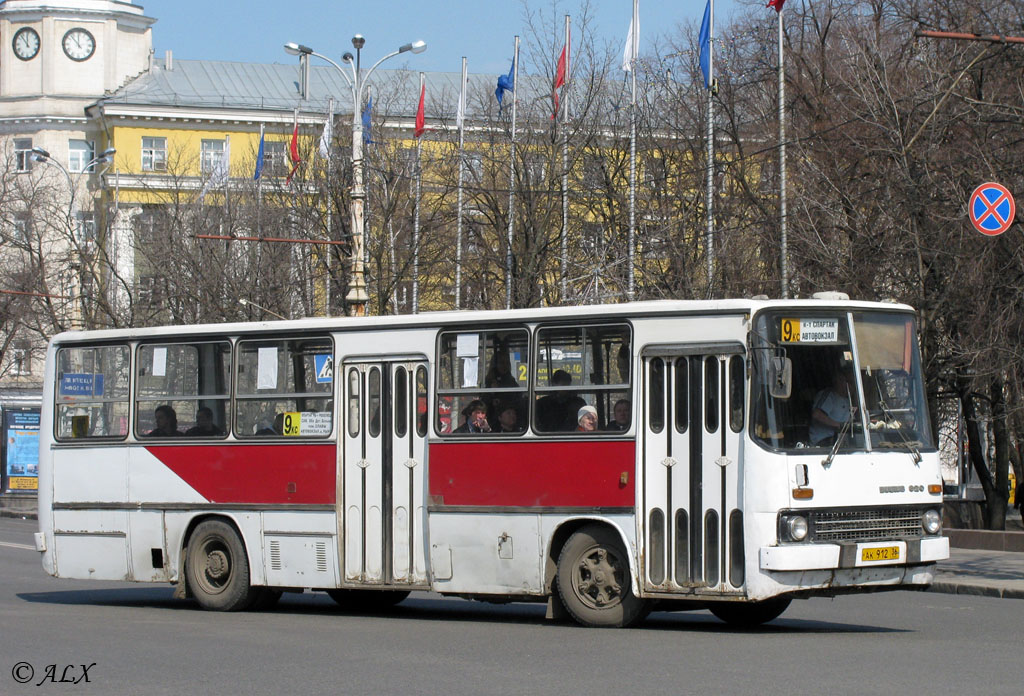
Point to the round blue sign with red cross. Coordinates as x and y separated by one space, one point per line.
991 209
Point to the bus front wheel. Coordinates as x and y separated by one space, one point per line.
217 568
594 580
750 614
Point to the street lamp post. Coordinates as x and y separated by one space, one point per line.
356 297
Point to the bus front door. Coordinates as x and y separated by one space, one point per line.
383 513
692 526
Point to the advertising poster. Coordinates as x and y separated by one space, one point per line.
21 450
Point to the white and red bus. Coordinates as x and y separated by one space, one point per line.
371 457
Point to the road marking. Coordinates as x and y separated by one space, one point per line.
17 546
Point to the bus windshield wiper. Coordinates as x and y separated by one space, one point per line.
827 461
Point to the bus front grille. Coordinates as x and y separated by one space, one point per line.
866 525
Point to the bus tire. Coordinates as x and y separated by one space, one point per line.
750 614
594 580
367 600
217 568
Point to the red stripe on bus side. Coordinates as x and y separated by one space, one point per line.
533 474
226 473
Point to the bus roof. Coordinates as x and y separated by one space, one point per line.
446 318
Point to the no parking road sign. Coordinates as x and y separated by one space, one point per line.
991 209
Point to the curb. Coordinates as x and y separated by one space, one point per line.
959 588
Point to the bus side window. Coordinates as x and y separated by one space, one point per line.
91 399
284 388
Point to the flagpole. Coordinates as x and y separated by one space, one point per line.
511 180
327 179
416 222
709 240
565 165
259 194
631 289
461 118
782 169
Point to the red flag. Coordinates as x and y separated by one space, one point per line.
420 127
777 4
293 150
559 77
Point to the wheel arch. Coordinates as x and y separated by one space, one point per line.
566 529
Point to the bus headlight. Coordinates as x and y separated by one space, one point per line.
931 521
796 527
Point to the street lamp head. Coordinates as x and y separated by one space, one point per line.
415 47
109 152
40 154
358 41
347 57
294 49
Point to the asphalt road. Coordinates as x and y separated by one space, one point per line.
136 639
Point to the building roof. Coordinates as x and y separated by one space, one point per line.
276 87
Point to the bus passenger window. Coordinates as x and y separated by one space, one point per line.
579 369
285 388
91 399
482 367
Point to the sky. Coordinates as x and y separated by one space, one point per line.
481 30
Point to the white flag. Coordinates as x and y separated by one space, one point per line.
326 137
632 45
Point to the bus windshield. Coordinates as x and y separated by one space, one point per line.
856 382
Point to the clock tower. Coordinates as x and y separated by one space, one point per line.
57 56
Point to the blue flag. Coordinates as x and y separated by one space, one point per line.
705 45
506 83
259 159
367 112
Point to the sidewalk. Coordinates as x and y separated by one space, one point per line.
981 572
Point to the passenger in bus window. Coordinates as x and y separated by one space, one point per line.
587 419
508 418
559 411
500 373
166 422
205 427
831 410
476 418
621 415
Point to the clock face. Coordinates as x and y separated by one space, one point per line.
78 44
26 43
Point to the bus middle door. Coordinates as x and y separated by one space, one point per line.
692 525
384 473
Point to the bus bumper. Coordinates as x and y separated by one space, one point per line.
853 555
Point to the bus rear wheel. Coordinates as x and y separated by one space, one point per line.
750 614
217 569
594 580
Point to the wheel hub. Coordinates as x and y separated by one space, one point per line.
217 565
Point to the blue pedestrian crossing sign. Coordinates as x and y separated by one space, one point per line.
992 209
324 366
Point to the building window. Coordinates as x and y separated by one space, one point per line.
22 229
21 360
474 166
80 154
85 230
275 158
23 154
154 154
593 172
210 155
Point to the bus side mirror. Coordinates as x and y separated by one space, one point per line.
780 377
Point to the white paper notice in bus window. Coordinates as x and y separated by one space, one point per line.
466 347
266 368
159 362
316 423
470 370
